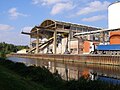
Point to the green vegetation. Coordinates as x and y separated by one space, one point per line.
38 75
16 75
11 81
8 48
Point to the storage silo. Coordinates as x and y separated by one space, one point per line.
114 15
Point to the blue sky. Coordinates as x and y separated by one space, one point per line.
18 15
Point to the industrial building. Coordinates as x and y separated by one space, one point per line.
110 38
57 37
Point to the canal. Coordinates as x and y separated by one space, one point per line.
70 70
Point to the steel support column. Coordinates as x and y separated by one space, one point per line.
30 43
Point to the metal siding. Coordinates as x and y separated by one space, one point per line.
108 47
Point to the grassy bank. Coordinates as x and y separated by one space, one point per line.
17 76
11 81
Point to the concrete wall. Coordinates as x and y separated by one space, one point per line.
73 47
64 42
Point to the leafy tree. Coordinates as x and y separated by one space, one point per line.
6 48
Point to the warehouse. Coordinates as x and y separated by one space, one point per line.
57 37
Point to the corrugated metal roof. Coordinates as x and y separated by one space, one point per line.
109 47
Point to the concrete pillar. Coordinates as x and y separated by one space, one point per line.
55 42
69 39
102 37
80 44
30 43
37 43
78 48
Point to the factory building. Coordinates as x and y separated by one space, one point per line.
58 37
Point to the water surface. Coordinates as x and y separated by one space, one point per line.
74 70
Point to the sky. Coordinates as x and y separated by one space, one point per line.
22 15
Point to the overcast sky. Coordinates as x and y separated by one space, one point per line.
18 15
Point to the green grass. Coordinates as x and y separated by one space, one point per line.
11 81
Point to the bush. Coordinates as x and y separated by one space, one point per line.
2 55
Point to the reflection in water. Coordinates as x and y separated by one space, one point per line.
73 70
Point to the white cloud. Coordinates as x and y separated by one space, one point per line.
60 7
47 2
27 29
94 18
94 6
15 14
36 1
5 27
57 6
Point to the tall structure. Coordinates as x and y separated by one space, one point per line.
114 22
114 15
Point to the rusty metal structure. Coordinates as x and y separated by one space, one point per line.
52 30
